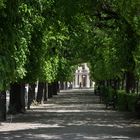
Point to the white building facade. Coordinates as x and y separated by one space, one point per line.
82 77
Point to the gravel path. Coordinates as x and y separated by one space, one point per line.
71 115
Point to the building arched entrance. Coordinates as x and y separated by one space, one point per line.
82 77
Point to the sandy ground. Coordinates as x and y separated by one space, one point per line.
71 115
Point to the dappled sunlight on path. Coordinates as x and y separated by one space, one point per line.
71 115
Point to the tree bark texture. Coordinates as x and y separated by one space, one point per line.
2 106
61 85
17 98
130 82
45 91
55 88
40 92
50 91
31 94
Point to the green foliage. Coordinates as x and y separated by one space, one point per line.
127 101
48 69
65 70
131 99
104 91
2 4
108 94
13 44
35 23
45 39
122 100
102 65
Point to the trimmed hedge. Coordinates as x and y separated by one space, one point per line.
126 102
104 92
132 99
123 101
108 94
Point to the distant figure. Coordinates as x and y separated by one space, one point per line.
80 85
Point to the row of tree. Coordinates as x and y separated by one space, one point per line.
44 40
33 45
116 56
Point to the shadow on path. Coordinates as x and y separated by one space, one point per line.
72 115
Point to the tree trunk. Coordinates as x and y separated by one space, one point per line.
61 85
50 92
130 82
17 103
58 87
118 84
66 85
31 94
3 106
55 88
123 82
22 97
45 91
108 83
137 86
40 92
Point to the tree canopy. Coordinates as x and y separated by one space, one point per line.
43 40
